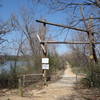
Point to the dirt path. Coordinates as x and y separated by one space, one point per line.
62 87
59 90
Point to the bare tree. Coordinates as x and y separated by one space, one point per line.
30 46
77 18
6 27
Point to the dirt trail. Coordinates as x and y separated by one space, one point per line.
64 86
54 91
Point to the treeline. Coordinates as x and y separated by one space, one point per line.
81 63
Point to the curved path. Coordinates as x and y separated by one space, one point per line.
62 87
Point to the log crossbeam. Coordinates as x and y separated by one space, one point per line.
60 25
66 42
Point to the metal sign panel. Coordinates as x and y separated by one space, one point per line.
45 66
45 60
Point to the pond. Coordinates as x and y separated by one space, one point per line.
8 64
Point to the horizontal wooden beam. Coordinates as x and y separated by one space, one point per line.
86 19
60 25
67 42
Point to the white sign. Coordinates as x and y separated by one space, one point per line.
45 66
45 60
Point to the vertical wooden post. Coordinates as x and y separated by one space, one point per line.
44 53
93 57
90 33
92 40
23 80
20 87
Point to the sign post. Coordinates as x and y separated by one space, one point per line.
45 66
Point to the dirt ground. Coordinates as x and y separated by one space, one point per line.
63 89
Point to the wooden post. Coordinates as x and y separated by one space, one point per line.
90 33
92 40
20 87
23 80
42 36
93 57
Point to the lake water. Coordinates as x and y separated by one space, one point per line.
7 65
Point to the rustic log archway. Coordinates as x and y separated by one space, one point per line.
90 34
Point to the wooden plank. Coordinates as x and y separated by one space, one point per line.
60 25
33 75
67 42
